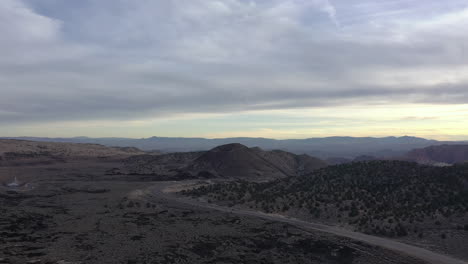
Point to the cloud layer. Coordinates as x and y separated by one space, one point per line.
130 60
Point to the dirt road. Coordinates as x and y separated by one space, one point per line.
409 250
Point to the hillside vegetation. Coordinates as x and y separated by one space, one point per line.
388 198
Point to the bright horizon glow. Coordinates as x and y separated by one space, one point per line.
301 123
234 68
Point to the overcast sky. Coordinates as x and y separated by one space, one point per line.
218 68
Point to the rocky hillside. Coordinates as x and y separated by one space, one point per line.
442 154
291 164
21 151
235 161
388 198
227 161
165 165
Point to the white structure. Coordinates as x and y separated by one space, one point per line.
14 184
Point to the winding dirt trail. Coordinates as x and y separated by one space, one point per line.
161 191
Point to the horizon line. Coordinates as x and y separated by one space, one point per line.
218 138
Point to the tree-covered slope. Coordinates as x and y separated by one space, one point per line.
390 198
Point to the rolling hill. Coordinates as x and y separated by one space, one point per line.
226 161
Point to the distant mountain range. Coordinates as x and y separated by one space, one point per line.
328 147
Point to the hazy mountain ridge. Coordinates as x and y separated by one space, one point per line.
346 147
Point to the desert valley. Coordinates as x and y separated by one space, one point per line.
87 203
233 132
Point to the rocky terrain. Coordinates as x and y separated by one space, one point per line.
422 204
77 214
83 208
18 152
227 161
164 166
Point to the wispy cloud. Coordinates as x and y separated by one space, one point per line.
330 9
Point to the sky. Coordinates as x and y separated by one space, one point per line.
222 68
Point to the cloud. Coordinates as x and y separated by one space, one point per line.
126 60
22 30
328 7
22 25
